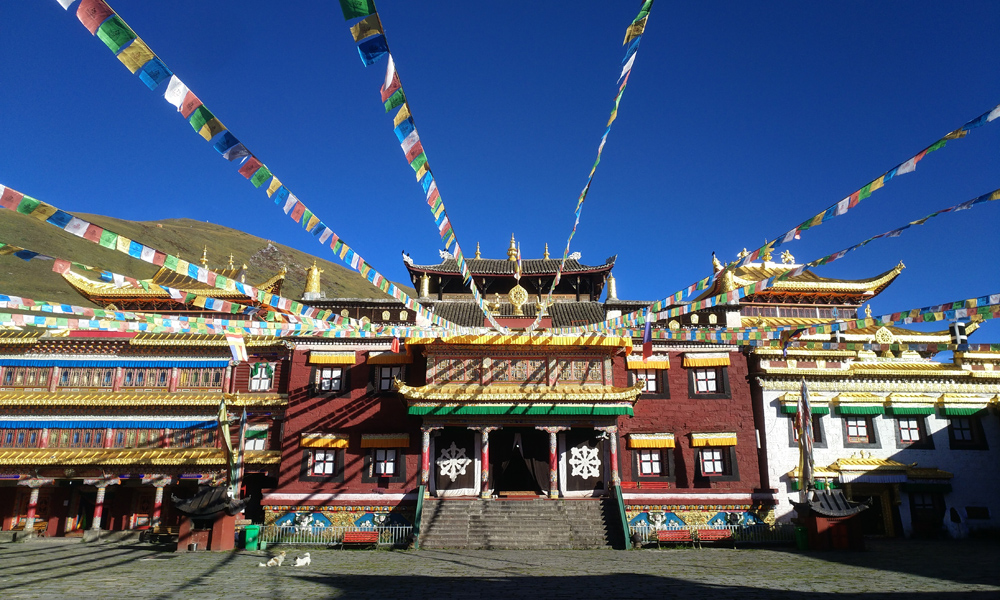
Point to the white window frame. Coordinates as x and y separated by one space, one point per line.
650 380
385 462
703 378
256 443
650 462
324 463
257 381
910 430
330 379
713 464
860 427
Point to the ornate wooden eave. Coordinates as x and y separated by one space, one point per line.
108 399
454 392
201 340
807 288
140 457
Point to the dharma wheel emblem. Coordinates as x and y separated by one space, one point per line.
518 297
884 336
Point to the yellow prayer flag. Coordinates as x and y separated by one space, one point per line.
995 195
440 209
123 244
368 27
208 130
136 55
182 265
422 171
635 30
275 184
614 115
43 211
877 184
313 222
402 115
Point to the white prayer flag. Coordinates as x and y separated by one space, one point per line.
430 189
842 206
290 203
65 3
325 236
176 92
994 114
76 226
175 293
907 167
147 254
410 140
119 280
390 70
628 66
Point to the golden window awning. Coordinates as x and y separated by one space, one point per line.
701 440
385 440
332 358
650 440
390 358
706 359
323 440
653 362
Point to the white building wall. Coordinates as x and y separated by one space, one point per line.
975 481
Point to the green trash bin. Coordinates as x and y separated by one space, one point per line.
801 537
251 537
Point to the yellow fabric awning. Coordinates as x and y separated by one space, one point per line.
332 358
700 440
654 362
706 359
323 440
390 358
385 440
650 440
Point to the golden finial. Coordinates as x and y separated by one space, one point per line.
716 265
743 254
546 256
312 279
243 273
231 266
478 255
512 251
765 256
868 311
787 258
204 257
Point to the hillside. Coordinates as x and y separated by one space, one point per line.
182 237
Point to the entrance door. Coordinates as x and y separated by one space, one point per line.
583 462
455 462
519 460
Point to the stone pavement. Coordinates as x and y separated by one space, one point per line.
890 569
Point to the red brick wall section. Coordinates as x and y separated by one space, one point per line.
354 412
681 415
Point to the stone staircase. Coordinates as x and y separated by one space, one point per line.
538 524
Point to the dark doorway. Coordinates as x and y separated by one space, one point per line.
519 460
872 520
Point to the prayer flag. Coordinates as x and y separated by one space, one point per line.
115 33
61 266
404 129
231 148
326 236
419 161
401 115
398 98
66 3
356 8
239 349
109 239
367 27
134 249
647 338
910 165
414 151
154 72
306 215
10 198
392 83
92 13
634 30
200 117
147 254
373 49
136 55
290 203
273 187
297 211
210 129
76 226
123 244
27 205
93 233
627 67
190 103
313 222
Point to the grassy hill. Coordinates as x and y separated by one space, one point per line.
182 237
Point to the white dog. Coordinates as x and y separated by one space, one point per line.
275 561
302 561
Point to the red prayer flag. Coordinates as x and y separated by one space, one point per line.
158 258
250 167
415 151
851 204
392 89
61 266
297 211
190 103
433 197
395 344
92 13
93 233
11 198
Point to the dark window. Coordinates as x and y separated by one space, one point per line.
386 375
329 379
911 432
322 465
966 433
977 512
926 512
384 465
718 463
819 437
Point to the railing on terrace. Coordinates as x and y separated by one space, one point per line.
392 535
780 533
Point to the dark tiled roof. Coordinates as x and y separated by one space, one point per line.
497 266
564 314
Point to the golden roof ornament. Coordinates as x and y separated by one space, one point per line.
312 279
868 311
231 266
243 273
518 297
478 255
512 251
765 256
743 254
546 255
204 257
787 258
716 264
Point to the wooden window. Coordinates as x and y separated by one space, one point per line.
324 463
88 377
261 377
141 377
911 432
26 376
384 462
706 381
966 433
817 430
386 375
650 463
713 462
650 379
330 379
19 438
859 430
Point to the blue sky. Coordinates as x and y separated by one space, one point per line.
740 121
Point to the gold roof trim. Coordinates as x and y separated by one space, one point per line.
132 456
750 275
964 355
860 398
528 340
451 392
113 399
905 368
806 352
928 473
197 339
795 397
867 464
15 337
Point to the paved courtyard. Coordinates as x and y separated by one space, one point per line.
52 569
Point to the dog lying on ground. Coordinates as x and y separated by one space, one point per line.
275 561
302 561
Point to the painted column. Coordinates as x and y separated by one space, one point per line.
54 381
108 438
119 378
102 486
612 432
159 482
227 379
553 459
175 375
484 483
35 485
43 439
425 459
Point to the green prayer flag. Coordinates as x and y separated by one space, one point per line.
419 161
398 98
170 262
109 239
28 205
144 284
115 33
199 117
937 145
189 298
356 8
262 175
865 192
220 283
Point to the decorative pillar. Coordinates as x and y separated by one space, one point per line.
553 459
484 483
35 485
425 459
102 486
43 439
175 375
159 482
54 381
108 438
227 379
612 432
119 378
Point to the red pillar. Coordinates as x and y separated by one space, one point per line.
184 536
29 522
223 535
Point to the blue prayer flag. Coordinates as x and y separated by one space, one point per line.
426 183
281 196
135 249
404 129
632 47
60 219
373 49
154 72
